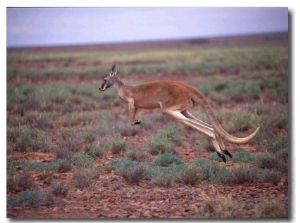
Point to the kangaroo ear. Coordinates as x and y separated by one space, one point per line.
114 70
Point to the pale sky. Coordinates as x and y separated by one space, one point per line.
60 26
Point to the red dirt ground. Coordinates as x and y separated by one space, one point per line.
112 197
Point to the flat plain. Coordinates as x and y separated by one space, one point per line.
71 152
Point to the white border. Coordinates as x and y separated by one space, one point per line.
133 3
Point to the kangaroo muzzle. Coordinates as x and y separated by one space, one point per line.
102 87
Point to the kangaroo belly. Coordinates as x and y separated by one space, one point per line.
147 103
159 94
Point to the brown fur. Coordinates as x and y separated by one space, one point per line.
174 99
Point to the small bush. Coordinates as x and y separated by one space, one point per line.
163 180
243 91
239 120
64 166
271 208
94 151
244 174
27 139
214 156
137 154
44 123
207 144
25 180
242 156
217 174
163 176
219 206
190 175
270 176
59 189
39 166
89 135
19 181
68 140
201 161
212 171
167 159
279 144
122 164
63 153
132 174
266 161
119 146
158 146
30 198
165 140
82 160
12 202
84 177
282 157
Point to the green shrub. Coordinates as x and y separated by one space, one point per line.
214 156
282 157
82 160
122 164
163 176
31 198
19 181
271 208
281 143
163 180
201 161
244 90
138 154
167 159
217 174
68 140
27 139
64 166
239 120
244 174
63 153
165 140
12 202
190 175
119 146
89 135
132 174
219 206
39 166
212 171
59 189
266 161
94 151
242 156
85 176
158 146
270 176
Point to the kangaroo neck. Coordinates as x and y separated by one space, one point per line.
117 84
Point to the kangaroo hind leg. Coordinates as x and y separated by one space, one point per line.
177 116
218 138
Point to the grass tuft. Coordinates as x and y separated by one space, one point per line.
167 159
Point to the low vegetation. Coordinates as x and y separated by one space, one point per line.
66 137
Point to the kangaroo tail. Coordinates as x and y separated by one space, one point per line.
200 98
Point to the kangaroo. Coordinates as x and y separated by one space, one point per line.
174 99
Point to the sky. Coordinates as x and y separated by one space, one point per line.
65 26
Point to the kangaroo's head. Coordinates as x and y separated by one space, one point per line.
110 79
